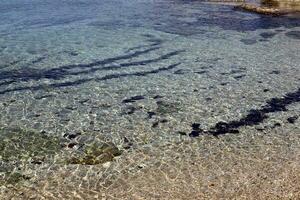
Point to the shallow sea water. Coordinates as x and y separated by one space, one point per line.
142 75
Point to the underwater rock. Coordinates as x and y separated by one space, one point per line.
271 7
260 9
292 5
95 153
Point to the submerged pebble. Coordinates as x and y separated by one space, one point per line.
292 119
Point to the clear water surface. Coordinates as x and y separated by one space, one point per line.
146 72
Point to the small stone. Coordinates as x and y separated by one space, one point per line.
277 124
292 119
181 133
163 121
72 145
106 165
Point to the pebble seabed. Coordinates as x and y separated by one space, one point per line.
148 100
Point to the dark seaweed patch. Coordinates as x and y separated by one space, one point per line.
201 72
71 136
207 67
181 133
293 34
179 71
129 110
26 74
275 72
194 133
155 124
7 82
254 116
267 35
150 114
260 129
239 76
43 96
237 71
150 38
196 130
82 81
196 126
157 97
251 24
292 119
263 40
163 121
277 124
40 59
133 99
248 41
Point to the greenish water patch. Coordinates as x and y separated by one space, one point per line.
22 145
12 178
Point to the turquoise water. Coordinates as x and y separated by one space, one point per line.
146 72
